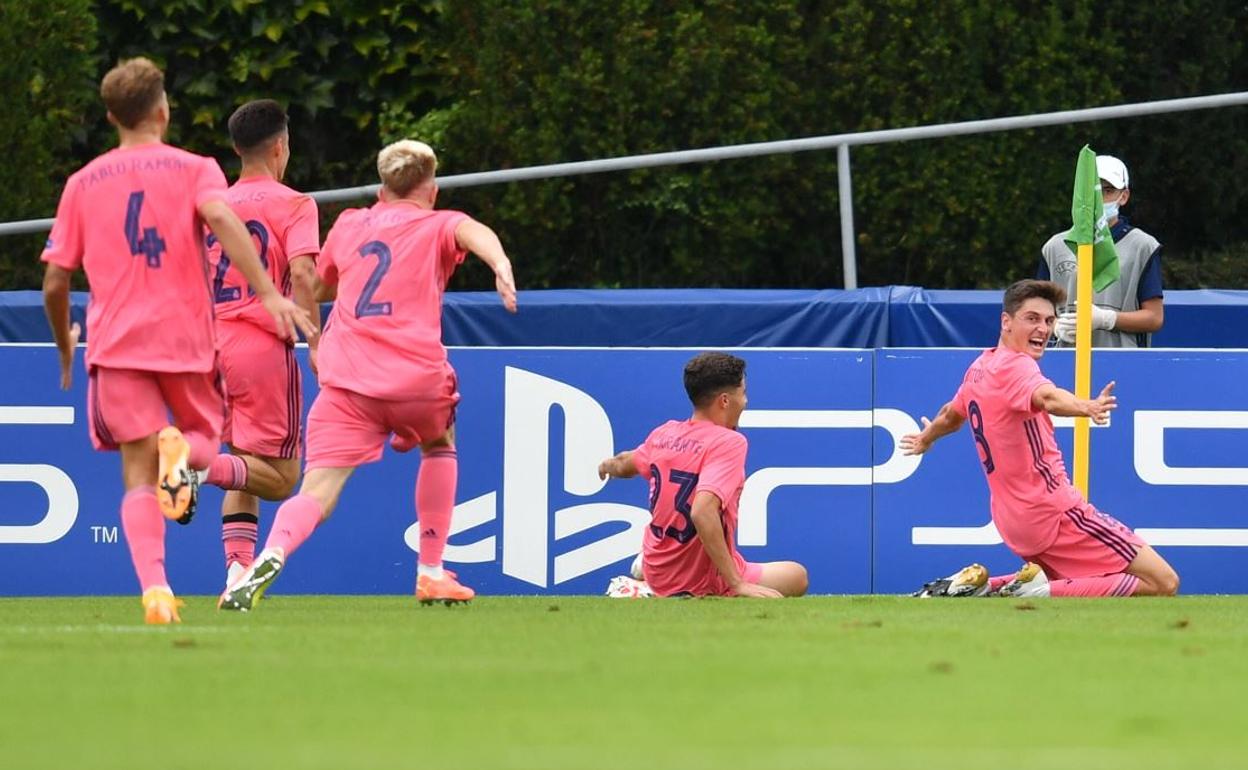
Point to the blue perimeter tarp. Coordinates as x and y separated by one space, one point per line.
891 316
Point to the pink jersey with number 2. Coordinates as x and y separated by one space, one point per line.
1026 476
682 458
391 263
130 219
283 225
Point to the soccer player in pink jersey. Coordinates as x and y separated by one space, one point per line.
383 370
1072 549
263 384
133 219
696 470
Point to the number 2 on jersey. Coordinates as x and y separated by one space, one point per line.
221 293
365 306
149 244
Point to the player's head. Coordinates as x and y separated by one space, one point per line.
134 95
1115 184
1028 314
407 170
259 132
715 383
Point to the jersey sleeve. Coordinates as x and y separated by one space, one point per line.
959 400
326 267
641 460
1022 376
209 183
303 229
448 247
723 469
64 247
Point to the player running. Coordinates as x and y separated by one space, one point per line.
133 219
1073 549
696 469
383 369
263 384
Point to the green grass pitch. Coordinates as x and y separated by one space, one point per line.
561 682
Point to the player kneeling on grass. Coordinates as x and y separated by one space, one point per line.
1072 549
696 469
382 367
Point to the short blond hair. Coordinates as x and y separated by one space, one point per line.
406 165
132 89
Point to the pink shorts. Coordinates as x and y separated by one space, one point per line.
263 391
1089 544
752 572
346 429
125 405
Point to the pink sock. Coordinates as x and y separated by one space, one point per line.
996 581
238 534
1106 585
227 471
435 501
144 526
295 521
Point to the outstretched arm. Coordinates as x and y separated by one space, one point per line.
1063 403
473 236
947 421
619 467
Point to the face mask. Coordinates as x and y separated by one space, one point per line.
1111 211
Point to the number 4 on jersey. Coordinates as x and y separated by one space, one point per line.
150 245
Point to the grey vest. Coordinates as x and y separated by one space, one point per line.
1133 252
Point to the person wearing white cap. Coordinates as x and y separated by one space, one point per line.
1127 313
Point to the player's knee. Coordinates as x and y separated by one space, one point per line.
287 482
1168 583
800 580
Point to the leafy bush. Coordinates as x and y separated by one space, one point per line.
46 69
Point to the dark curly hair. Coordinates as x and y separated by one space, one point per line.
709 374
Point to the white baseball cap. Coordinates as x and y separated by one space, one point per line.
1112 170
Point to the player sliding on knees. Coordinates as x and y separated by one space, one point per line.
1070 547
696 470
382 367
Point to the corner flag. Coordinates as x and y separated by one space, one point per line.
1088 225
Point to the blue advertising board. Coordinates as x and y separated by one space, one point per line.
825 484
531 515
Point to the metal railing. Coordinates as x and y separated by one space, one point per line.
841 142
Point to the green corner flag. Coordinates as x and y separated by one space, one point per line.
1088 224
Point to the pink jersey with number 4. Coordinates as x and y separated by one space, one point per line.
680 459
1026 476
391 263
283 224
130 219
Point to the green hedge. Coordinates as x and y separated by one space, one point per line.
553 81
500 85
46 76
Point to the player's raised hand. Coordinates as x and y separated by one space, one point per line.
505 284
289 317
1100 407
756 591
67 356
916 443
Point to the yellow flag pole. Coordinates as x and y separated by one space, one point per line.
1083 362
